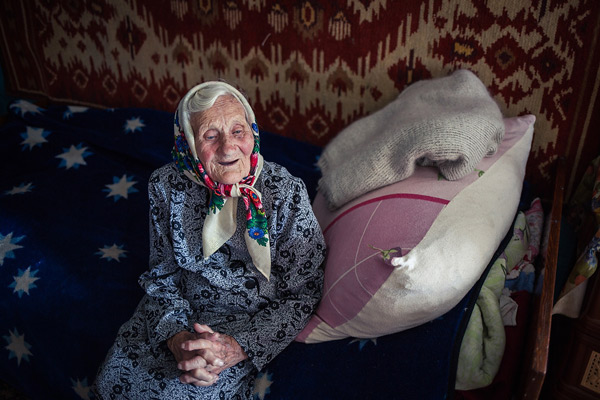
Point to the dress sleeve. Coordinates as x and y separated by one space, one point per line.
297 274
166 311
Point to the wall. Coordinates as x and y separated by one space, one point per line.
311 68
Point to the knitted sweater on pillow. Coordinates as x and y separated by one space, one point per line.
449 122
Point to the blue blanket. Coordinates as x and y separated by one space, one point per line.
74 239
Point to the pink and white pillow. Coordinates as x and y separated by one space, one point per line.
407 253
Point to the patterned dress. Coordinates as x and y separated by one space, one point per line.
224 291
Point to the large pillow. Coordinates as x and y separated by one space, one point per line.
407 253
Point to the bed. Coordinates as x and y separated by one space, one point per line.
93 88
73 213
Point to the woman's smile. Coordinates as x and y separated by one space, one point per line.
227 163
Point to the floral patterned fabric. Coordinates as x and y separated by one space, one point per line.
218 229
223 291
255 215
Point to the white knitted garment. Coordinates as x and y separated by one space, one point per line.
449 122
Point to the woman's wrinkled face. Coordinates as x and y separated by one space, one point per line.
224 140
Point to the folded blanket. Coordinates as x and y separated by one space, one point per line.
483 344
450 122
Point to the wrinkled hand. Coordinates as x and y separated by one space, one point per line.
202 355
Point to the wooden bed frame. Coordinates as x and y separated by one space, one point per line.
537 348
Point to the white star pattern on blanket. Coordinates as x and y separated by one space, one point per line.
17 346
7 245
261 385
81 388
71 110
23 107
24 281
21 189
133 125
121 187
113 252
34 137
74 156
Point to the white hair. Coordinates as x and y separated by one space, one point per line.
202 97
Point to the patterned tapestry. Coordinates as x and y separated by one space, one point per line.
310 68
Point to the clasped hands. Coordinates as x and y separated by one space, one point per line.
202 355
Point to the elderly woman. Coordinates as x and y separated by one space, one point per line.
235 262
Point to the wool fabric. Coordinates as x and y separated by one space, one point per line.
450 122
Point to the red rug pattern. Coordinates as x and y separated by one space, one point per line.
310 68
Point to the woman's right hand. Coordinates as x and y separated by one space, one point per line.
201 365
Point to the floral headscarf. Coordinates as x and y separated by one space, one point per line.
220 223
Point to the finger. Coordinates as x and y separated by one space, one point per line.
204 350
193 381
204 383
199 377
213 337
215 370
196 344
202 328
192 363
210 357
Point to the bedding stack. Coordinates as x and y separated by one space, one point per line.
413 253
406 253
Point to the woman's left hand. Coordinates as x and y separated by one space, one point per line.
224 349
198 362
